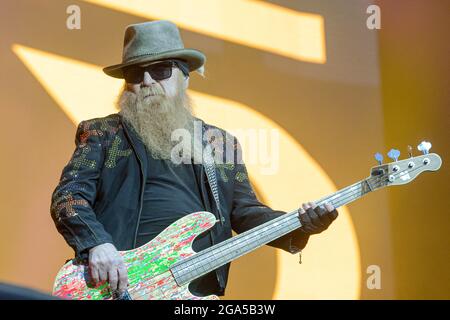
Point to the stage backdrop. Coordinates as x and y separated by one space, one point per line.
305 73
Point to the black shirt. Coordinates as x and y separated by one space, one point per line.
171 192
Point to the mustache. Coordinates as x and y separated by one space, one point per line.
155 90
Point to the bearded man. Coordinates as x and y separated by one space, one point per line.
123 187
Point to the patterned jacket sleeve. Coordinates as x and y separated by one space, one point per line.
73 199
248 212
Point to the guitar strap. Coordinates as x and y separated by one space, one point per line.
208 162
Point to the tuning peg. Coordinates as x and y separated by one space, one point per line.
424 146
394 154
379 158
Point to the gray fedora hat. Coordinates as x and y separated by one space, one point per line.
153 41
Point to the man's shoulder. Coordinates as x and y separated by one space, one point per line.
108 124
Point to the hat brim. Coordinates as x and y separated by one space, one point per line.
194 58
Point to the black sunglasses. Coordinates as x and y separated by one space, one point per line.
158 71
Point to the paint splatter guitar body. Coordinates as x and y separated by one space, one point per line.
148 266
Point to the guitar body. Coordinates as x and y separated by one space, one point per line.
148 266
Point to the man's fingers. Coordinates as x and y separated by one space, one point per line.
123 277
323 215
113 278
329 207
94 275
314 217
305 219
103 275
332 212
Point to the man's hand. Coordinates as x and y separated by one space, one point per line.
315 219
106 264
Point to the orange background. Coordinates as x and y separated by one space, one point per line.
377 90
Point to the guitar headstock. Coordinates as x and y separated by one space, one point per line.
404 171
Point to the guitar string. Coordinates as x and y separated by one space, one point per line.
348 192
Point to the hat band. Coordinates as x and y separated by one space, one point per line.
142 55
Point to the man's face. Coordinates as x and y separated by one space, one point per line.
156 104
170 86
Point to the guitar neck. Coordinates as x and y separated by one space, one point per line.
235 247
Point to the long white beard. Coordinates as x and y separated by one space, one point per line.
156 117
